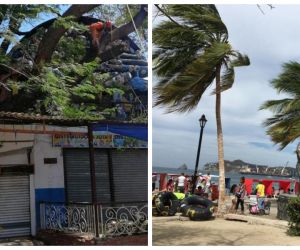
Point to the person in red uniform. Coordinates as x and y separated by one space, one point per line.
97 31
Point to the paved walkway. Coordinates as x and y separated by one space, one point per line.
20 242
218 232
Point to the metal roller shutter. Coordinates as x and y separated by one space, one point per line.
102 176
77 175
14 206
130 171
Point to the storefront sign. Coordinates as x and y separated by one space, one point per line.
100 141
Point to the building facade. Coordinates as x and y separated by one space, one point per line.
37 168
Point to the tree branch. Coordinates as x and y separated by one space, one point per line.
53 35
125 29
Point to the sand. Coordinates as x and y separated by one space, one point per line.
218 232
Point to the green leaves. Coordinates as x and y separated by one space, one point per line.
184 90
227 79
203 18
69 90
293 210
63 85
177 46
284 126
239 59
69 23
235 59
289 80
187 53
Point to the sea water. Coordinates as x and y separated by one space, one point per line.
234 177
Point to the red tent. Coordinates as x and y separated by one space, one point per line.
285 185
163 181
268 187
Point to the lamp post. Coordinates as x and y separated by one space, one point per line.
202 121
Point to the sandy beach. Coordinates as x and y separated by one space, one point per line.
218 232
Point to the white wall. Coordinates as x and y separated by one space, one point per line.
14 152
47 175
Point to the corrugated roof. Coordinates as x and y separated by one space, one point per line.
27 118
38 118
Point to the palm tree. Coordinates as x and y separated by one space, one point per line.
284 126
191 51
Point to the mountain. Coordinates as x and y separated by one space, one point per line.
244 167
183 167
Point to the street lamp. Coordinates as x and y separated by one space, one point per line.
202 122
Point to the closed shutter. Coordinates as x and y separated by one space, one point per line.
130 171
14 206
77 175
102 176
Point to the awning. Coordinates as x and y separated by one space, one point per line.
139 132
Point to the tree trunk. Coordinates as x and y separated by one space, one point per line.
53 35
221 201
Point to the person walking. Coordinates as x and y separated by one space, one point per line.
181 183
260 194
240 195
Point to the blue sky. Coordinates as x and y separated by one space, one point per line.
269 40
27 25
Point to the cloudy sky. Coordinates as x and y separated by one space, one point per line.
269 40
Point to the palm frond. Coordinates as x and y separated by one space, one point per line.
279 106
202 17
289 80
187 52
168 34
283 129
182 91
284 125
227 79
240 59
175 47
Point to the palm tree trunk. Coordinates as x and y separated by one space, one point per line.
221 201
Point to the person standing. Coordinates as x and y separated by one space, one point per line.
154 179
181 183
260 194
170 185
233 198
208 183
240 195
